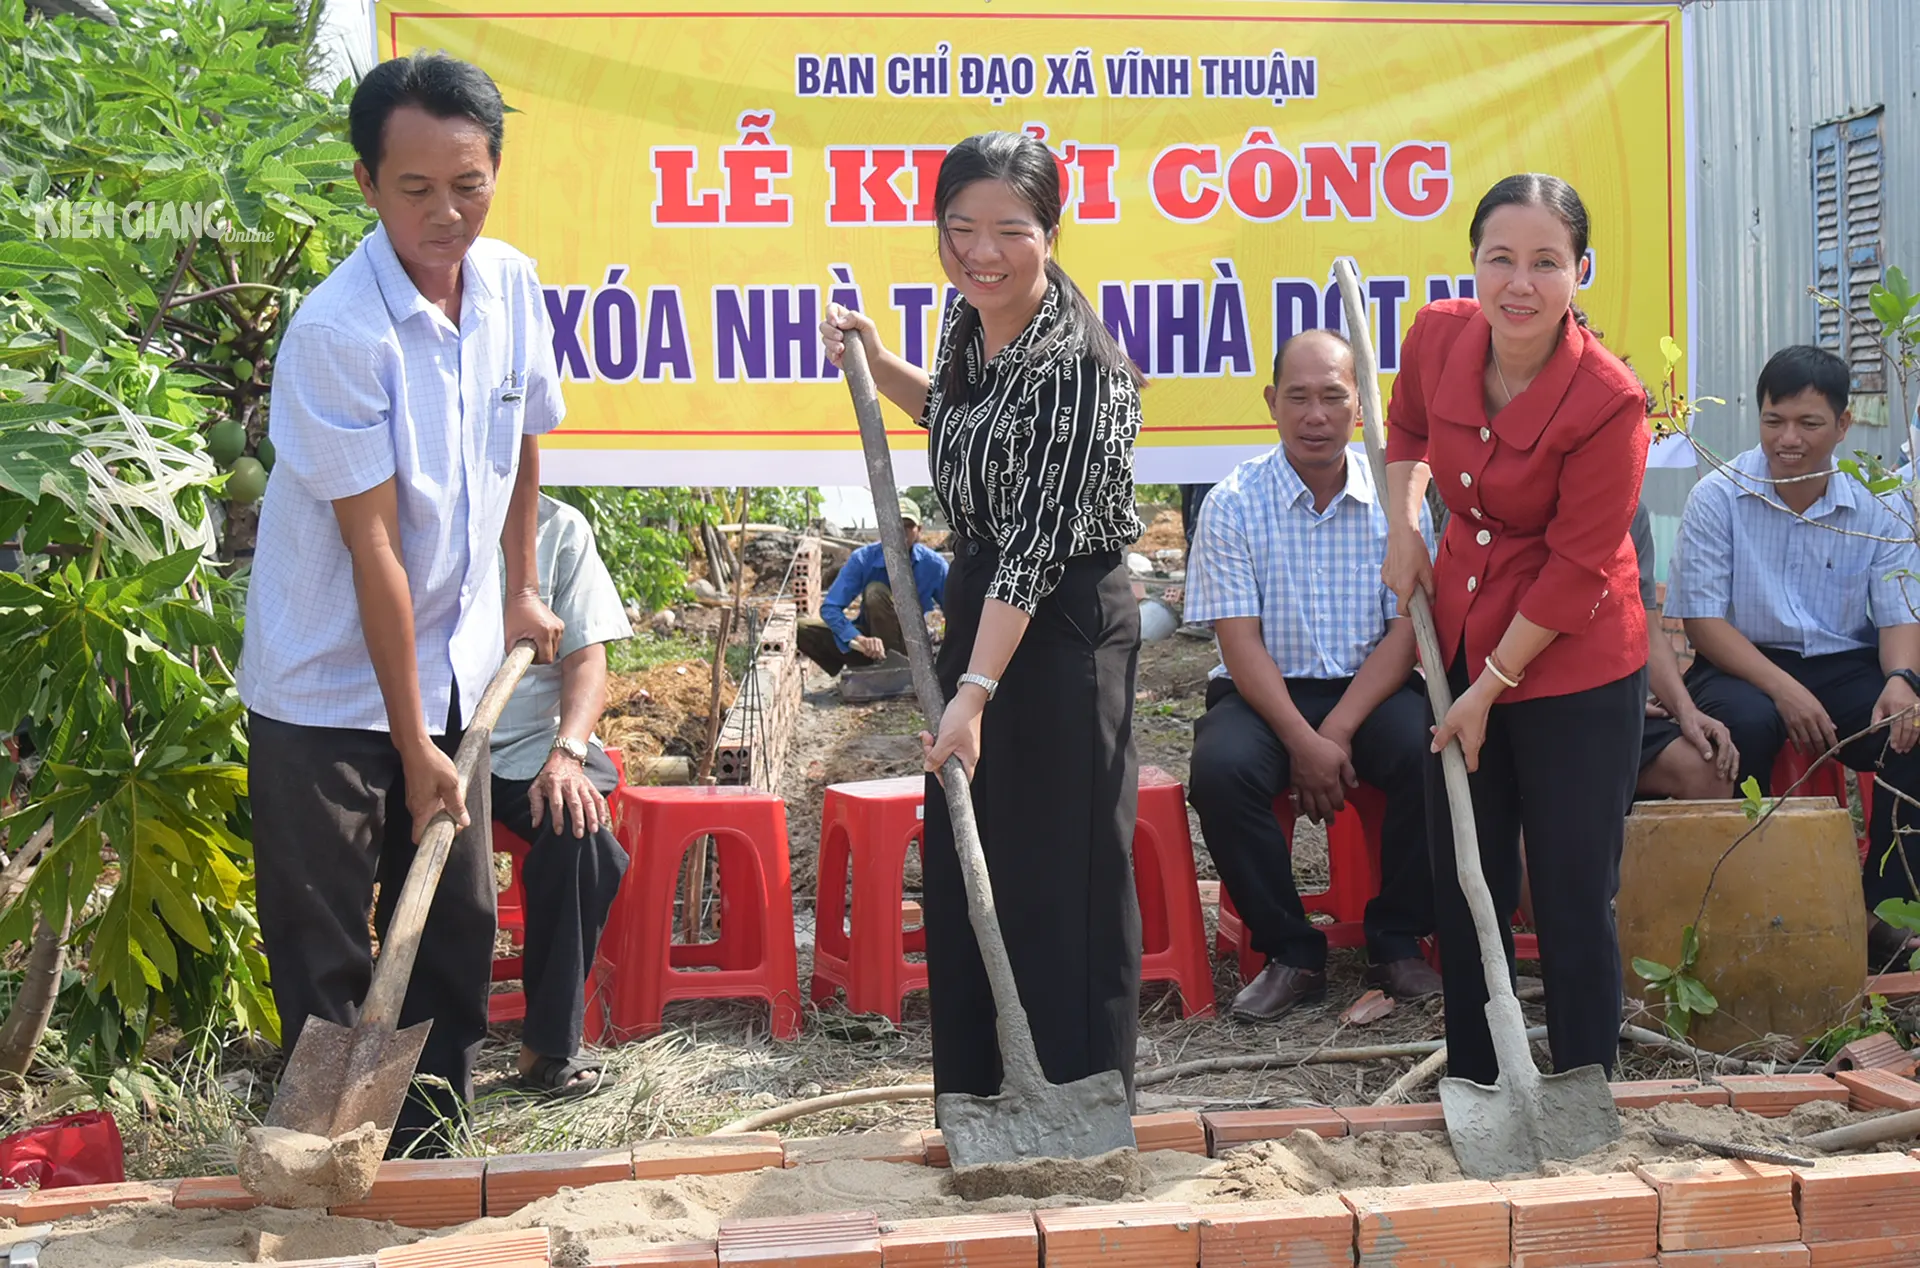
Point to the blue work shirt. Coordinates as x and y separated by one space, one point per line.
867 565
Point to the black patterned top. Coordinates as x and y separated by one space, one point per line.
1037 459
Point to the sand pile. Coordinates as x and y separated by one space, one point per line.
613 1217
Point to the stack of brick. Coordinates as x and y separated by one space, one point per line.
758 730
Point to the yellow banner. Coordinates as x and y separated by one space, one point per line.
698 180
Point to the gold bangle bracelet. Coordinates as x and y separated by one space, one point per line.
1493 667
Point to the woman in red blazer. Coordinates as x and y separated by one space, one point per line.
1537 435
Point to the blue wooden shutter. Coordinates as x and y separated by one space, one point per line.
1848 256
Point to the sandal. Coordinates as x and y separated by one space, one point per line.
1885 944
558 1078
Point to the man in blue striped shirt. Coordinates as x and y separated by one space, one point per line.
1795 584
1315 691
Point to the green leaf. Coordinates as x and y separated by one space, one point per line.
1694 997
1651 970
1670 350
1896 282
1902 913
1751 798
1689 947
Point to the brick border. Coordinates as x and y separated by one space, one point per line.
1845 1212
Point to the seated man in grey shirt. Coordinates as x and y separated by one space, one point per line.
550 780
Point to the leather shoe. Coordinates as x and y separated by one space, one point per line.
1277 991
1408 979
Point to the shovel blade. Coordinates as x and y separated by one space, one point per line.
342 1076
1082 1119
1508 1128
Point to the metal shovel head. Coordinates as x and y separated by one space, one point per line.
342 1076
1500 1130
1082 1119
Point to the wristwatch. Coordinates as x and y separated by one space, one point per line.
986 684
576 749
1908 676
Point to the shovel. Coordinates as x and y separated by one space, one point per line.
1030 1118
341 1077
1524 1118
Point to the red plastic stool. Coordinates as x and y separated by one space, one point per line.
1173 939
510 914
1353 877
1829 779
639 965
865 830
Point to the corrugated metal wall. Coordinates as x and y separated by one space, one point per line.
1763 74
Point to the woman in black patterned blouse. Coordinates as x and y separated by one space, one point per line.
1032 410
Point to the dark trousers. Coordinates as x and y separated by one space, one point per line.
1192 497
1054 795
1562 770
1846 684
815 640
1240 766
330 821
570 883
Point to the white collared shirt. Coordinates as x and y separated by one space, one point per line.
373 383
1824 582
1312 577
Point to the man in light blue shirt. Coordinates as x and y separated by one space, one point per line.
1796 587
407 395
551 777
833 641
1315 691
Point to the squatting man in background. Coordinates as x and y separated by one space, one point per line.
1315 690
551 778
833 641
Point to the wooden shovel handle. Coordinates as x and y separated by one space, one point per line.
1018 1058
402 941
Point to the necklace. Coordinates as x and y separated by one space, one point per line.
1502 376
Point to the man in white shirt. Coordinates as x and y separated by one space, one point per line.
1315 690
408 392
551 777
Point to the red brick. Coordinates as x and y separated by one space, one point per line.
1866 1252
1293 1233
1847 1199
427 1193
1772 1095
519 1248
517 1180
670 1156
904 1146
1647 1093
1422 1116
1894 985
675 1255
1566 1220
1135 1235
1181 1131
1459 1225
1721 1202
1777 1255
1879 1089
1873 1052
38 1206
214 1193
936 1146
962 1241
1240 1127
845 1239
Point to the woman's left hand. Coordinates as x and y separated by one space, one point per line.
1467 721
959 733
